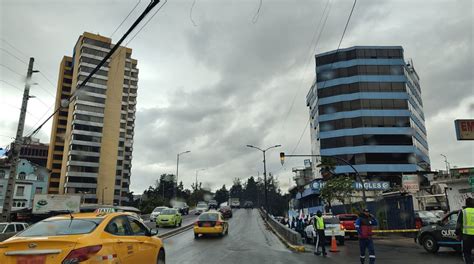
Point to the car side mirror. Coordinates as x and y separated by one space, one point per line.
153 232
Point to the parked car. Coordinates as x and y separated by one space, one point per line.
424 218
248 204
348 222
440 234
182 207
213 204
201 207
156 212
226 211
8 230
439 213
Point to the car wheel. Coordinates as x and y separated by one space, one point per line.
430 244
161 257
196 236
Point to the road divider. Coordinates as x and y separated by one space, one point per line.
176 231
388 231
289 237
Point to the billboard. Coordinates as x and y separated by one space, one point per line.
464 129
369 186
45 203
410 182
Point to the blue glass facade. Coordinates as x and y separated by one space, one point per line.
365 106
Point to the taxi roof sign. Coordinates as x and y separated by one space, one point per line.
105 210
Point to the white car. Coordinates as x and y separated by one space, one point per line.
156 212
8 230
332 227
201 208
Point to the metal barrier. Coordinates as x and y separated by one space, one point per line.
291 236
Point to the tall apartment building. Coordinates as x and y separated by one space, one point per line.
98 137
365 107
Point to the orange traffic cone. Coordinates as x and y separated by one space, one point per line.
333 245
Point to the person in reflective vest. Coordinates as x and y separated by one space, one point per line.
465 230
364 225
318 224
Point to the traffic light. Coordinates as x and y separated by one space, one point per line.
282 158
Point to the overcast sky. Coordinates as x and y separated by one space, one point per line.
220 75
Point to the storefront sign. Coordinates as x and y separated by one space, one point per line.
464 129
369 186
410 182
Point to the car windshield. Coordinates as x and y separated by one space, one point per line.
427 214
208 217
158 209
331 220
60 227
168 212
201 206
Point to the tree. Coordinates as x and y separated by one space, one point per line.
337 188
222 195
236 190
327 167
251 190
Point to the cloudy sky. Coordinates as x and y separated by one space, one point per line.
217 74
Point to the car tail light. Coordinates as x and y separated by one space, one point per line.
196 223
418 223
81 254
218 223
342 227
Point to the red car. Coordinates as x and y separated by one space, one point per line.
348 222
226 211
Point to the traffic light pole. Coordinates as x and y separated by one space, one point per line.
16 147
359 178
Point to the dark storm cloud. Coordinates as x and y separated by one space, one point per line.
228 82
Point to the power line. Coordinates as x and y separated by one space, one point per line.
301 137
307 61
335 53
257 14
18 88
191 13
13 47
12 70
14 56
347 23
146 23
104 60
123 21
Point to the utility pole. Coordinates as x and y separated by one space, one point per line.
16 147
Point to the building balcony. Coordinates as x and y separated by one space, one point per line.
80 185
83 102
87 123
82 174
83 163
84 153
85 143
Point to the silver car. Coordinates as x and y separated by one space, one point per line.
156 212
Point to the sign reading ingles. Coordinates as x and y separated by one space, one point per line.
464 129
369 186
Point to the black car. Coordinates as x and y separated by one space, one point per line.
248 204
440 234
213 205
182 207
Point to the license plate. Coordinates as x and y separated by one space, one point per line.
206 224
31 259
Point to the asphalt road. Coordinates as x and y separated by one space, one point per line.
249 241
187 219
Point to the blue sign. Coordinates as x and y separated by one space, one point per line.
368 186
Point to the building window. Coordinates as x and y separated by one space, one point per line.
21 176
38 190
1 189
40 177
2 174
20 191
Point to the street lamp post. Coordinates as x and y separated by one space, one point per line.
177 170
265 173
197 176
447 165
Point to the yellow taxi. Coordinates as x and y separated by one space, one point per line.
211 222
85 238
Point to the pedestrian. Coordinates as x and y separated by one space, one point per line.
318 224
465 230
364 225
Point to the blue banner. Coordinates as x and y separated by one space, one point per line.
368 186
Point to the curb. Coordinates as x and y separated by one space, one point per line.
292 247
176 231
